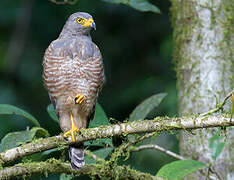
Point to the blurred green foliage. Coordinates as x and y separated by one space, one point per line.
178 169
141 5
216 144
148 105
18 138
137 53
9 109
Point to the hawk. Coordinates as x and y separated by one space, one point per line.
73 74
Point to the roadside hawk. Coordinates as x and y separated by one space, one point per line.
73 74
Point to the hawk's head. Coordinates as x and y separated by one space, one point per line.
79 23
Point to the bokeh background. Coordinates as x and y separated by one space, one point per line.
137 52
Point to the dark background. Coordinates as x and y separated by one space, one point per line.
137 52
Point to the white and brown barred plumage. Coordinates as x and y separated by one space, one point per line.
73 65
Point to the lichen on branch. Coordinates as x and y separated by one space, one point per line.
158 125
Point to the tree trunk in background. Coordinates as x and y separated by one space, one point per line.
204 49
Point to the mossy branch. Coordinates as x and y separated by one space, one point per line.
58 167
158 125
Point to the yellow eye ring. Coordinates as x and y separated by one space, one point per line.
79 20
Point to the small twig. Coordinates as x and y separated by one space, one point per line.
93 156
122 150
219 107
216 173
232 108
156 147
210 170
146 136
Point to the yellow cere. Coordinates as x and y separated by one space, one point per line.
88 22
84 22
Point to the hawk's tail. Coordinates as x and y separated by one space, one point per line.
76 155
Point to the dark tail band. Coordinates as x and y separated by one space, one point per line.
76 155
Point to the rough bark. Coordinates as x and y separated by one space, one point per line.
204 46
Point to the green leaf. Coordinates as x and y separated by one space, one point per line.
142 110
140 5
100 119
52 113
144 5
216 145
9 109
65 177
18 138
101 153
178 169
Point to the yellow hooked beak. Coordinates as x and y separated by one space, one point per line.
90 23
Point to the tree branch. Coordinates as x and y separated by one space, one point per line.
58 167
122 150
158 124
219 106
159 148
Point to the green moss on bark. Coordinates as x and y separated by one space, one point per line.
228 29
203 34
184 21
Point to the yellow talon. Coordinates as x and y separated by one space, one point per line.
79 98
73 129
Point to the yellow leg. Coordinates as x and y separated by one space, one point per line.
79 98
73 129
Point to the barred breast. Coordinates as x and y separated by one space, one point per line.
70 68
89 77
56 73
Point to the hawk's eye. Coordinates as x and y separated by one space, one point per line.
80 20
